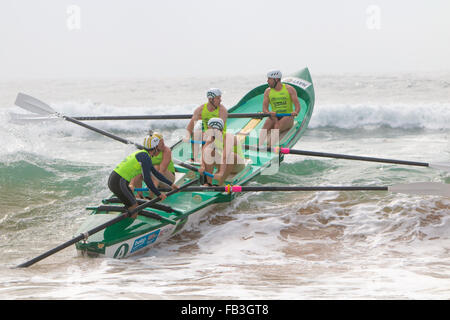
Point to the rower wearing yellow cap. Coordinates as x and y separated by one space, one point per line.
162 161
137 163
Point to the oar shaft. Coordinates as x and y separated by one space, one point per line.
31 104
139 117
359 158
112 136
105 133
85 235
73 241
302 188
235 189
173 116
192 168
337 156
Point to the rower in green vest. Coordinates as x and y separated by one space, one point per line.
212 109
223 151
281 97
163 163
137 163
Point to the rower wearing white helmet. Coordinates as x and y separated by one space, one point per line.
281 97
161 160
222 150
211 109
138 162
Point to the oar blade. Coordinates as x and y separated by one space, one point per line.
422 188
33 105
31 118
440 166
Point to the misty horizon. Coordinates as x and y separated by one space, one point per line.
146 40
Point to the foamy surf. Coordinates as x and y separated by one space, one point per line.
310 245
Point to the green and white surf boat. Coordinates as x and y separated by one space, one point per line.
165 219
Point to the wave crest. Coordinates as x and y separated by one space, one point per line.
434 116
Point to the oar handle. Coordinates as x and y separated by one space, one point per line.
192 168
198 142
283 114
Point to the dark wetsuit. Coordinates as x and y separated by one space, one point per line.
136 163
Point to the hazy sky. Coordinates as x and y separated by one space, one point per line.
146 38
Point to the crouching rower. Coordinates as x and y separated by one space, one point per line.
229 157
162 161
136 163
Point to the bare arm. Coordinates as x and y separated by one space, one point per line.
294 98
206 154
228 143
223 113
167 157
136 182
266 101
195 117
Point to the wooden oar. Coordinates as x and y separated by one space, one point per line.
417 188
86 235
34 105
437 165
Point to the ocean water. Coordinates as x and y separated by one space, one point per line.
293 245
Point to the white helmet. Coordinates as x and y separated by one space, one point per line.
274 74
213 92
216 123
151 142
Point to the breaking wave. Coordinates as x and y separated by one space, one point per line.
433 116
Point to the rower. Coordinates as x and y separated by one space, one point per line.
229 157
280 96
211 109
162 161
136 163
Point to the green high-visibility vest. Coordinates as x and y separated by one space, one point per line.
280 101
158 159
130 167
206 115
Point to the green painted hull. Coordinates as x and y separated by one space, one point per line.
131 236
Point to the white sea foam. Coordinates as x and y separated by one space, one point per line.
434 116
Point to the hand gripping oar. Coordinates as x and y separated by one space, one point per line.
34 105
437 165
86 235
417 188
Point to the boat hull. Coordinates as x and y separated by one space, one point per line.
135 236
